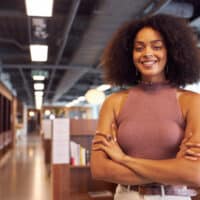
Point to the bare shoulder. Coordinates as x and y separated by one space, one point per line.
109 111
188 99
115 101
188 96
115 98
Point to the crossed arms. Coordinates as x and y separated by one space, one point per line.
109 163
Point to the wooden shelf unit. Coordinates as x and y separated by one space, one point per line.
7 119
74 182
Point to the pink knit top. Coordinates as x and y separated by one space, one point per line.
150 123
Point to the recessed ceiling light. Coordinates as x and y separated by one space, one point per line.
41 8
39 52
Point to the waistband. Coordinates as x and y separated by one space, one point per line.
158 189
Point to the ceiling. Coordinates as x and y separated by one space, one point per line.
76 35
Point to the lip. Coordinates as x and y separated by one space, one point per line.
148 63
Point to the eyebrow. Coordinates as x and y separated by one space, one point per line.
153 41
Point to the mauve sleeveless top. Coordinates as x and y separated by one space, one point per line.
150 122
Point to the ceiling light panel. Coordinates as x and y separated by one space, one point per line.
41 8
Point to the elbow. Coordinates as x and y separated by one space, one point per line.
192 176
195 179
96 173
97 170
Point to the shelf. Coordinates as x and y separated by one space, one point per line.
86 196
79 166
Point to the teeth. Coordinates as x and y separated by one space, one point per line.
148 62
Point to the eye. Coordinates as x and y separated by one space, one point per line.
157 47
138 48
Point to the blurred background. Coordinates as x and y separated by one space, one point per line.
50 54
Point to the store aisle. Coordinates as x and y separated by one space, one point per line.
23 174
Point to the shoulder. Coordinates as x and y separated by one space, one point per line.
114 101
109 111
189 101
188 96
115 98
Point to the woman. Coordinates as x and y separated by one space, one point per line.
148 136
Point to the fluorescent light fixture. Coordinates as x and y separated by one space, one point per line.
103 87
42 8
39 93
38 102
38 78
70 104
75 101
39 52
39 75
81 98
38 86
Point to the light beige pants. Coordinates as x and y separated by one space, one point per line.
122 194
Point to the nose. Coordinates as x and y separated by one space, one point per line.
148 52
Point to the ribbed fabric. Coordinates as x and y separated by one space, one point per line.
150 123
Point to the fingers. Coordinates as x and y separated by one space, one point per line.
105 139
100 134
114 132
191 144
109 137
100 140
192 152
98 147
190 158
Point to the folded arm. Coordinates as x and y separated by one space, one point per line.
172 171
105 169
102 167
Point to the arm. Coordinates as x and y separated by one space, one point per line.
171 171
102 167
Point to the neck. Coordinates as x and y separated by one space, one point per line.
153 79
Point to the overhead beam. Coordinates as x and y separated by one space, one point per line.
154 7
26 86
12 13
68 80
57 67
14 42
67 29
68 26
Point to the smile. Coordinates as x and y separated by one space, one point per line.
148 63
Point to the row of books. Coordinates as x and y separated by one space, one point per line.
79 156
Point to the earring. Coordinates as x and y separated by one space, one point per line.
136 72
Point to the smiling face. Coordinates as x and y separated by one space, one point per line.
150 54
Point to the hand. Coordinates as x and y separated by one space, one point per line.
193 151
189 150
108 144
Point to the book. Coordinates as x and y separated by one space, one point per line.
103 193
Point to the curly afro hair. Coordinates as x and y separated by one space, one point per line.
182 52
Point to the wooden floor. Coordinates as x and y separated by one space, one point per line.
23 175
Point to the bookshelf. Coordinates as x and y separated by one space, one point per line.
7 119
81 183
74 181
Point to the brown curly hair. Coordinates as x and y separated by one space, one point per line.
183 62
